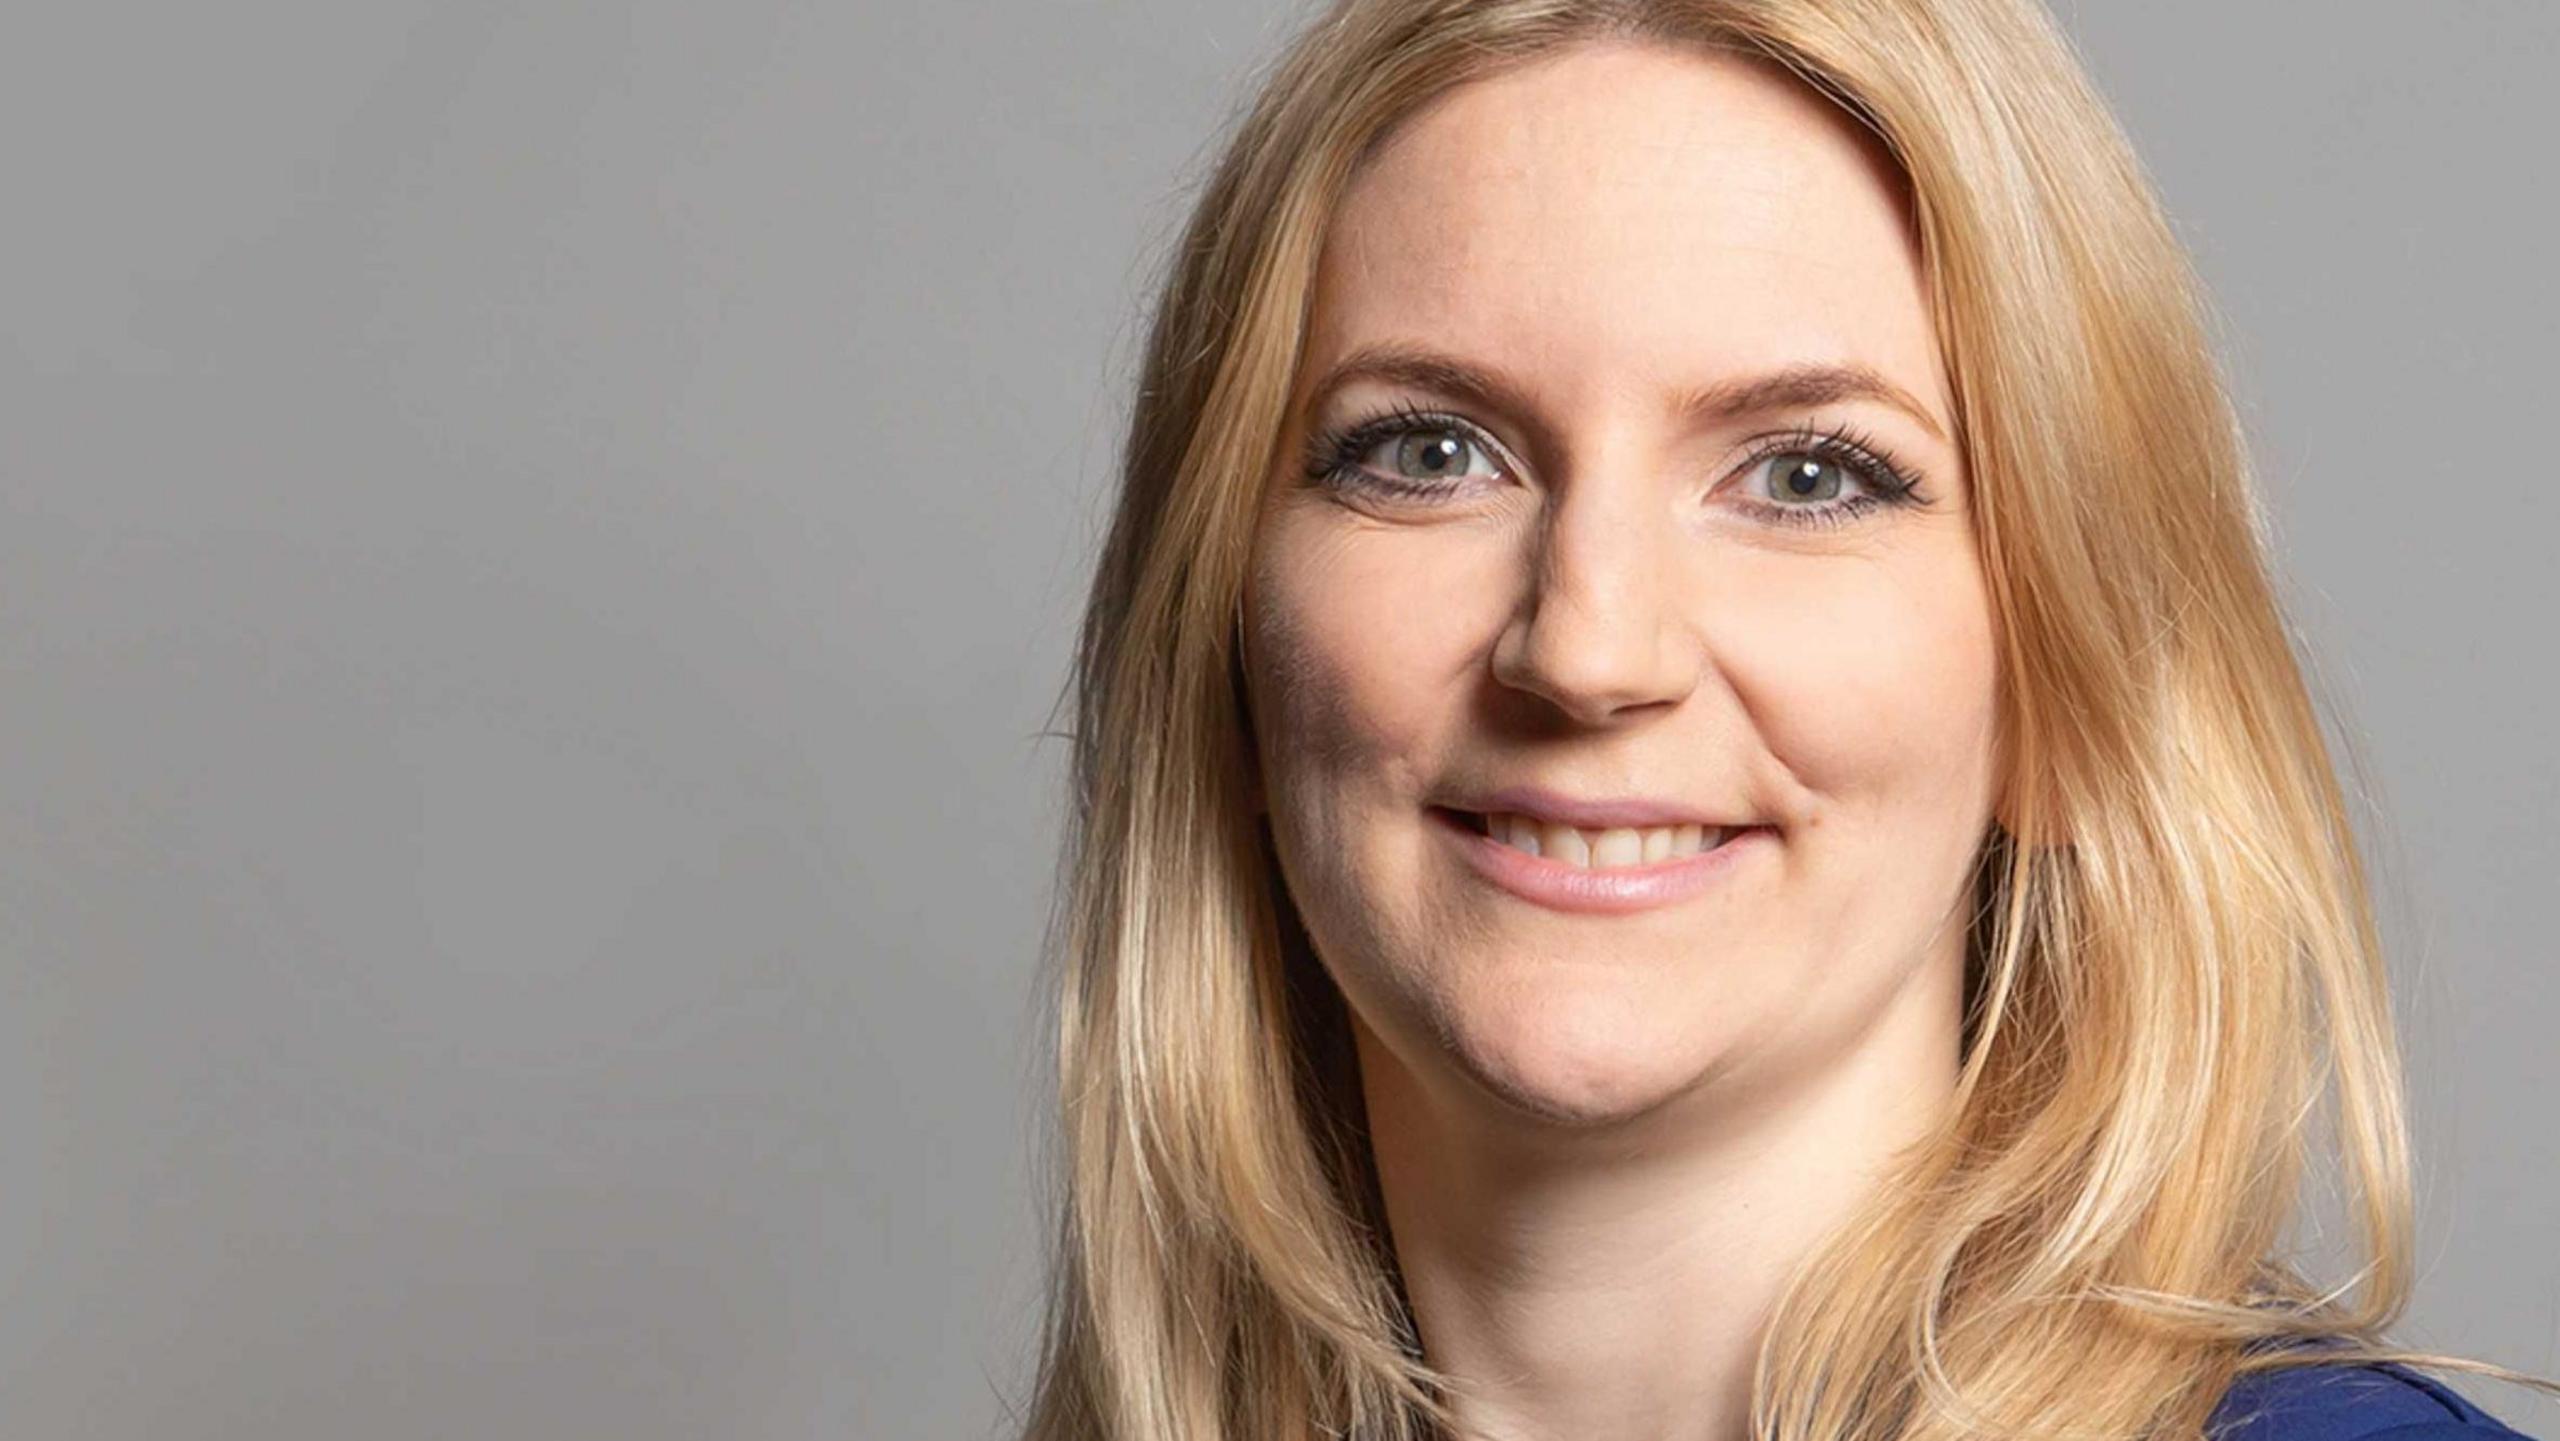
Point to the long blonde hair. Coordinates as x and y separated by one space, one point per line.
2173 958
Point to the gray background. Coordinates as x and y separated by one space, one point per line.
540 541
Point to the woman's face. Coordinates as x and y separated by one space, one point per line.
1621 539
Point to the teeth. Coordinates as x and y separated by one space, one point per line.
1617 848
1591 850
1564 843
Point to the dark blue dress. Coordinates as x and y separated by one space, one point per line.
2385 1401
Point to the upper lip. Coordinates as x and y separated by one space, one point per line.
1598 813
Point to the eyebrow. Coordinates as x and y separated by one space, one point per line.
1788 387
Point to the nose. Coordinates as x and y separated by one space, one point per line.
1601 629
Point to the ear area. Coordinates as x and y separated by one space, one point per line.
2030 811
1256 803
1249 748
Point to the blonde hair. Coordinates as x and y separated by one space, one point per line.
2173 959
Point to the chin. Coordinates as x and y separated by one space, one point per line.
1582 1060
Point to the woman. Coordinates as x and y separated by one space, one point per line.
1694 818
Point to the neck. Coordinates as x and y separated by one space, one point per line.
1613 1283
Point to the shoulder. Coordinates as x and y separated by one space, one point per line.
2336 1401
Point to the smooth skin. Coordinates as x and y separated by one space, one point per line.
1605 1140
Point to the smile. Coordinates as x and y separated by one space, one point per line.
1590 849
1609 871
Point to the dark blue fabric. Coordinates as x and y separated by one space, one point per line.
2384 1401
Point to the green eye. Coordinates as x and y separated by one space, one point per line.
1426 455
1806 478
1816 478
1827 478
1430 455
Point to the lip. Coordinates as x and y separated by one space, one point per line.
1614 891
1632 812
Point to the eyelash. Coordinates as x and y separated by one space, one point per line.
1333 458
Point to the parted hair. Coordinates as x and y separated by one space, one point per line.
2175 992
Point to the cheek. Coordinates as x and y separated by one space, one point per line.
1358 658
1345 717
1871 679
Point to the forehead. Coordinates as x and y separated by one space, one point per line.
1620 215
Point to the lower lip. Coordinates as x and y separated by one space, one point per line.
1611 891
